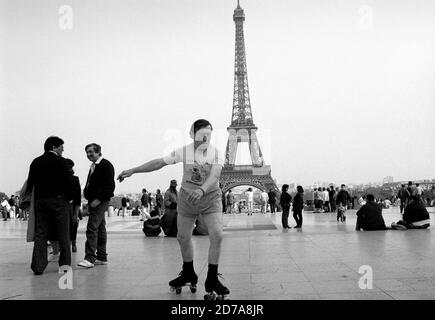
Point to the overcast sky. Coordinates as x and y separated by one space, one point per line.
341 91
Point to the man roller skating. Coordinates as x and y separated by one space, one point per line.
199 195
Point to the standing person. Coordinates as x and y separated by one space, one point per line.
98 191
331 192
272 200
224 206
250 200
75 205
412 191
321 199
12 203
264 199
169 219
316 200
159 201
144 205
418 190
51 181
326 198
285 202
352 199
403 195
150 201
5 207
230 201
298 206
199 195
343 200
124 205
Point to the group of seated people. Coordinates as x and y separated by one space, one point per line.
155 223
369 217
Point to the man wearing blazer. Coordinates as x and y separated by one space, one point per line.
51 182
98 191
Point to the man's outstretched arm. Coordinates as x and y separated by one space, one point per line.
149 166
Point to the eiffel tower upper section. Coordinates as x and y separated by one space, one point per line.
242 113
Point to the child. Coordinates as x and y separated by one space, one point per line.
340 212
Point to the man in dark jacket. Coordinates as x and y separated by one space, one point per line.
272 200
98 191
49 176
332 198
370 216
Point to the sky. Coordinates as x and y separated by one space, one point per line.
342 91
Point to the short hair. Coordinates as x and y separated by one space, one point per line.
343 185
51 142
144 190
158 190
370 197
199 124
315 189
285 187
95 146
417 184
69 163
409 182
403 185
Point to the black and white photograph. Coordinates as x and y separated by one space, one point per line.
138 162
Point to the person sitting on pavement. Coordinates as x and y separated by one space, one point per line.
152 226
415 216
370 216
169 219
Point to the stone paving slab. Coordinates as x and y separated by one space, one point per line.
259 261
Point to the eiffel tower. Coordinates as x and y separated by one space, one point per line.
242 127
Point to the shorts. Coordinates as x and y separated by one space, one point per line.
209 203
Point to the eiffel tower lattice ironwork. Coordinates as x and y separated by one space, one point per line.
242 128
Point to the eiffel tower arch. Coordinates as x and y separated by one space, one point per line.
242 128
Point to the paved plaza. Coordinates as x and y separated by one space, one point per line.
259 260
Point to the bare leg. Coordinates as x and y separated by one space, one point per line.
214 224
185 227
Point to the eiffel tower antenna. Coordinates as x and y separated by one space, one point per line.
242 127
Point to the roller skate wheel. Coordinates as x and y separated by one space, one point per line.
178 290
172 289
193 289
210 296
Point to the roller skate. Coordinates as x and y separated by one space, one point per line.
214 288
184 279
